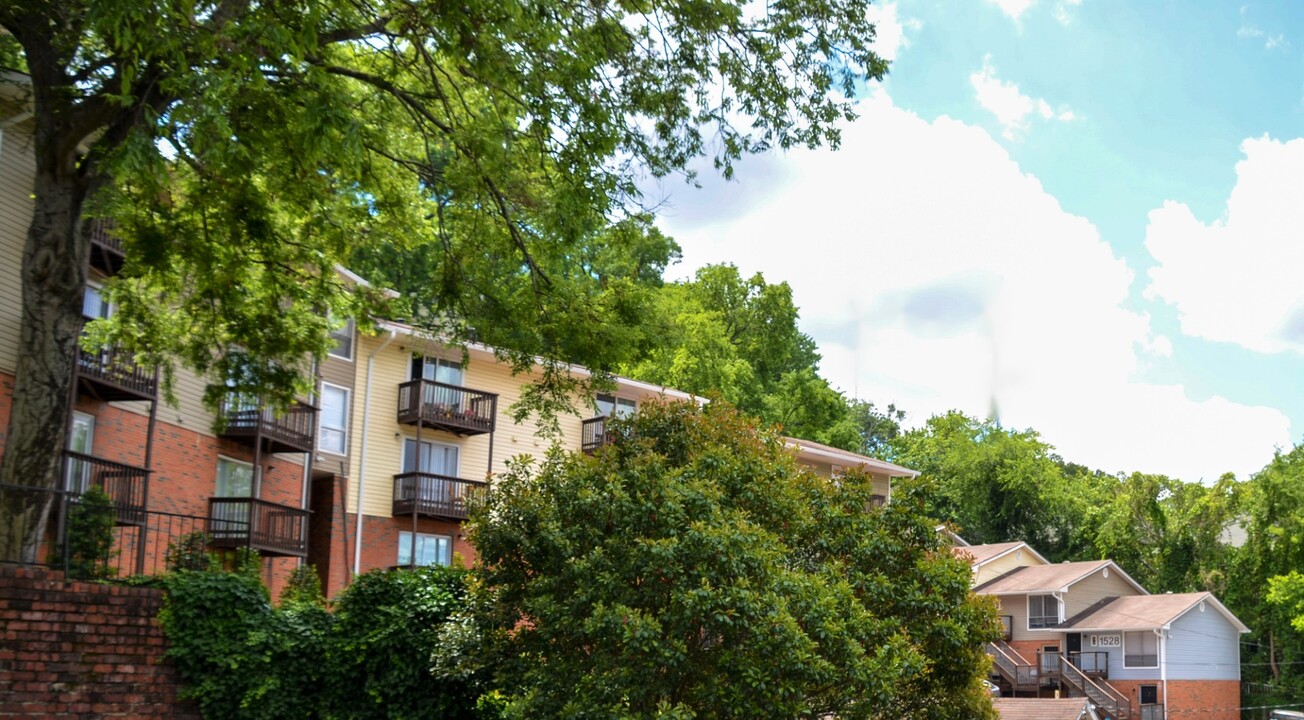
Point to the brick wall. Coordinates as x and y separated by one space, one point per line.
1203 699
82 650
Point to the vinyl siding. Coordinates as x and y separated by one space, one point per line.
1020 557
1097 587
1116 669
1203 646
16 172
882 484
1080 596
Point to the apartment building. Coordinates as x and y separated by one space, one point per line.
1087 629
372 470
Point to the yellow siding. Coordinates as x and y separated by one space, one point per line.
998 567
16 172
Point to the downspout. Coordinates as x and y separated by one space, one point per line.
309 458
362 453
1163 666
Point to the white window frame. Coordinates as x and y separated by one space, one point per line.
343 429
109 309
405 544
77 475
253 476
351 328
417 454
616 402
1158 640
1059 611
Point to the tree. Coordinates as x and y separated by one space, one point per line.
245 148
998 484
693 569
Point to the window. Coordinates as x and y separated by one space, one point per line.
611 406
1043 611
343 337
430 549
436 458
81 439
234 479
1140 649
437 369
94 306
332 436
1149 694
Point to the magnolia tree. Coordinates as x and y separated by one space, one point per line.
693 570
244 148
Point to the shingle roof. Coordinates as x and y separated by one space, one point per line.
1040 578
845 457
1042 708
982 553
1143 612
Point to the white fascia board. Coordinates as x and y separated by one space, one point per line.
883 466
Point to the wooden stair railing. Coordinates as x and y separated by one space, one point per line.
1101 694
1018 672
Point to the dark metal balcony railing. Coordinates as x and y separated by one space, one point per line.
247 421
593 434
447 407
106 249
124 484
115 374
1095 664
266 527
431 495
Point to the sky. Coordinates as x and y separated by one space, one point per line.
1088 215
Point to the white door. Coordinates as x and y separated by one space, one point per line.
81 439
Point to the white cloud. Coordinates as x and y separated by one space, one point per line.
890 29
1013 8
1013 109
936 274
1250 31
1063 13
1237 279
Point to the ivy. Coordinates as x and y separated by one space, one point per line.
242 657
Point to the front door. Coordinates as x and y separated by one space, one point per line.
1073 643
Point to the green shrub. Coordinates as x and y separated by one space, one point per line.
89 540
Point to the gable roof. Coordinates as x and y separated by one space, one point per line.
980 555
1145 612
838 456
1050 578
1043 709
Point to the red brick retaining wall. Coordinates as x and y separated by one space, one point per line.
82 650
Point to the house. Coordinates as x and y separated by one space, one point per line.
1088 630
371 470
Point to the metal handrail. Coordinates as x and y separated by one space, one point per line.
1104 696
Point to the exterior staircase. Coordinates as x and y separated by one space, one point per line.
1110 703
1018 673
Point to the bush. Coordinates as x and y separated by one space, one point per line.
89 539
240 657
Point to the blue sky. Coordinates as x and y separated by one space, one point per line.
1090 212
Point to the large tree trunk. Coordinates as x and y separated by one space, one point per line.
53 278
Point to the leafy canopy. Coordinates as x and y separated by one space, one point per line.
693 569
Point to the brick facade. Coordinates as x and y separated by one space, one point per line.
82 650
1203 699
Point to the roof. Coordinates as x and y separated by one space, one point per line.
981 554
1146 612
838 456
1049 578
1043 708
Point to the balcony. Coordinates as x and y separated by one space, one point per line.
1092 664
106 250
431 495
451 408
1151 712
124 484
265 527
593 434
111 373
250 423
